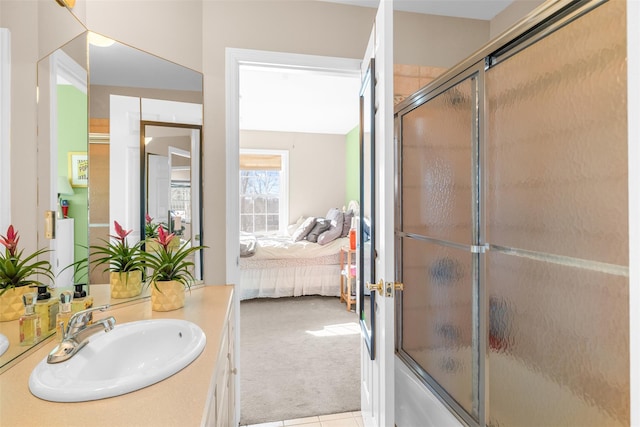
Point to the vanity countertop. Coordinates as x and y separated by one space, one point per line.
179 400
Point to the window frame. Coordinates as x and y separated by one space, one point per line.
283 215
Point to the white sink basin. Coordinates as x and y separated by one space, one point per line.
131 356
4 344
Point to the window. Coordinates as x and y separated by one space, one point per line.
264 189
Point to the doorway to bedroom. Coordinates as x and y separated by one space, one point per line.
306 107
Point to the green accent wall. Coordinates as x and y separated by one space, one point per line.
352 175
72 137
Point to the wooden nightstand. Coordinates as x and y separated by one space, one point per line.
347 276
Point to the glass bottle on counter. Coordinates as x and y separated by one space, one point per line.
29 322
64 314
47 308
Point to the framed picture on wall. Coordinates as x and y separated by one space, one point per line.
78 169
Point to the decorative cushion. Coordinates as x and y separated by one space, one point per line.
337 223
320 226
303 229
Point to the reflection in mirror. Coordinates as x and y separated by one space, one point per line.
74 104
171 190
127 86
62 150
62 82
366 217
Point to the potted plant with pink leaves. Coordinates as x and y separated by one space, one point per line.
123 260
170 271
19 272
151 234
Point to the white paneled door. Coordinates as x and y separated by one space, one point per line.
377 380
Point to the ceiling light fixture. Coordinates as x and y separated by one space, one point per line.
98 40
65 3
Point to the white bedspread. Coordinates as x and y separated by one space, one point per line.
282 247
283 268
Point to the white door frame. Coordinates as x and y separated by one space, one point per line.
234 59
378 375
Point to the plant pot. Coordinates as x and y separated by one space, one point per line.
167 295
11 305
126 284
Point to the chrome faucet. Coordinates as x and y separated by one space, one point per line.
78 332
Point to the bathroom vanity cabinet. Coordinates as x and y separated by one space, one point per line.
221 410
203 393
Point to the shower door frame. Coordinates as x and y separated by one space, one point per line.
479 314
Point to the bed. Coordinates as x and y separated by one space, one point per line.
281 267
305 261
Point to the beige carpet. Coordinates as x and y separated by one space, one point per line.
300 357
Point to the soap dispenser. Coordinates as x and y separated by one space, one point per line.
29 323
46 308
64 314
81 301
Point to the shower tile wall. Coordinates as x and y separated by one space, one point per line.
407 79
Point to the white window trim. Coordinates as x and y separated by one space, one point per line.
284 184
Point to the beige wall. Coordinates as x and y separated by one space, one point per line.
511 14
436 41
316 168
195 34
18 17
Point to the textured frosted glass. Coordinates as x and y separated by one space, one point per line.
557 152
436 315
436 166
558 339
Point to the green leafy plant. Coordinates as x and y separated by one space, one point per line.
18 269
117 255
150 228
166 263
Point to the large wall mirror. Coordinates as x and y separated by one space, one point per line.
59 30
94 93
99 171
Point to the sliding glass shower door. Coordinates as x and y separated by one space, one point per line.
438 228
513 236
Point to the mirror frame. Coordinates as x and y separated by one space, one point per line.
367 95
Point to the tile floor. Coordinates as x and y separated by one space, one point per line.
346 419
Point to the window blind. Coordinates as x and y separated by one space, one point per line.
260 162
